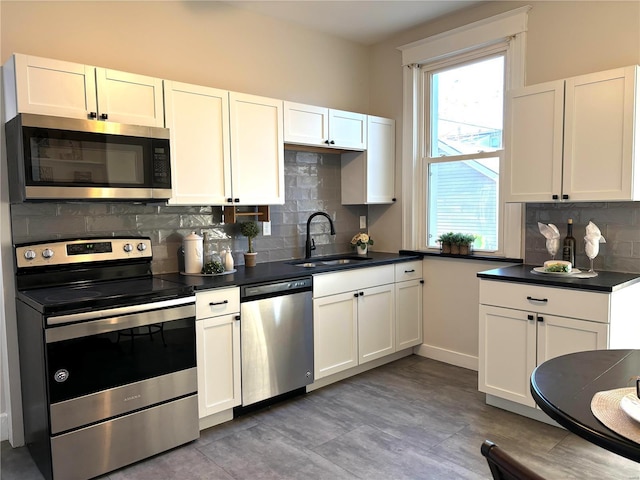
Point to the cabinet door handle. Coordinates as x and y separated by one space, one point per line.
237 317
529 317
361 294
422 281
554 197
229 200
236 200
93 115
213 304
327 142
104 116
565 197
332 142
409 271
355 295
540 319
533 299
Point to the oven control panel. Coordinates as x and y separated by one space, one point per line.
65 252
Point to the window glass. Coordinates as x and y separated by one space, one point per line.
467 108
465 123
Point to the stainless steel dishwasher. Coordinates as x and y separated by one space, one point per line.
276 332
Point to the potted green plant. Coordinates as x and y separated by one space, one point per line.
249 230
465 242
446 240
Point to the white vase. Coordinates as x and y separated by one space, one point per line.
362 249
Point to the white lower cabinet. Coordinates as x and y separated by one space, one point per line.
218 350
408 293
523 325
364 314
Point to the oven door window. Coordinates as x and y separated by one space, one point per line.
80 366
64 158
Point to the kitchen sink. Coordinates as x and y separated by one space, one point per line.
333 260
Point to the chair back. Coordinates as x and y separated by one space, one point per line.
503 466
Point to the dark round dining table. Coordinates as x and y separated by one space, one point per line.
564 386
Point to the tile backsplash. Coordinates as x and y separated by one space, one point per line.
312 183
619 223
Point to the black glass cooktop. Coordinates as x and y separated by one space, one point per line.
108 294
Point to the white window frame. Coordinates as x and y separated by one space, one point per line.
425 137
508 29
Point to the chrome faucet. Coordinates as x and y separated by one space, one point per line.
310 244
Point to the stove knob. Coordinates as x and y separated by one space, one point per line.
47 253
29 254
142 247
127 247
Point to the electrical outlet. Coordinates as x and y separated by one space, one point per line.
363 221
266 229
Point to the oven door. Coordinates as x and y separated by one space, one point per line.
71 159
107 367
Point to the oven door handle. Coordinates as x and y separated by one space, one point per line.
113 324
113 312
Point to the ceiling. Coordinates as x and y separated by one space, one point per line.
363 21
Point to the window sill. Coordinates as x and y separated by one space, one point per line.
486 258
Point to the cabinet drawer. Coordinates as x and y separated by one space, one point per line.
332 283
408 271
221 301
551 300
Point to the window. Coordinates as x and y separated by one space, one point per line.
452 150
463 145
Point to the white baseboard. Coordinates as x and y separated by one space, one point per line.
525 411
336 377
4 427
447 356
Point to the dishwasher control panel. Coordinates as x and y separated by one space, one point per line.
250 292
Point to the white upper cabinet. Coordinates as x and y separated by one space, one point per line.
324 127
369 177
257 150
198 121
574 139
53 87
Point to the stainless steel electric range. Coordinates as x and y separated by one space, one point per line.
107 356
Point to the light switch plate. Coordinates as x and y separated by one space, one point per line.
266 229
363 221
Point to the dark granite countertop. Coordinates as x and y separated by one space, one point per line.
472 256
274 271
604 282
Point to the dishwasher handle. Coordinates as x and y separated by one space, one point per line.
258 291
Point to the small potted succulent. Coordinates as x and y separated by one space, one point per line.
249 230
464 243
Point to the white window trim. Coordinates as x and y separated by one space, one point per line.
510 25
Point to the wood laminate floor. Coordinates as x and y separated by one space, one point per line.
412 419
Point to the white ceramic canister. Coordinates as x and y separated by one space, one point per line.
193 254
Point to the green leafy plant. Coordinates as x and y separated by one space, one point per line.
446 238
466 238
249 230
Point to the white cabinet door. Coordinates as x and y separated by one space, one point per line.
533 170
306 124
408 314
49 87
347 130
218 358
129 98
599 135
376 322
335 333
561 336
369 177
198 120
257 150
506 353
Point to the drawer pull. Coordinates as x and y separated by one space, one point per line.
409 271
213 304
533 299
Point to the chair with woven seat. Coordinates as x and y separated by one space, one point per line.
503 466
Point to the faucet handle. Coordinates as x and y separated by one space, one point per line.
313 244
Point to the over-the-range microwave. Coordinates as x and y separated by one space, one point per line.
66 159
